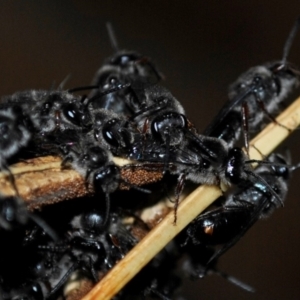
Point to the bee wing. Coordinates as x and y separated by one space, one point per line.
228 106
255 215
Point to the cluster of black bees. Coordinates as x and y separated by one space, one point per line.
127 113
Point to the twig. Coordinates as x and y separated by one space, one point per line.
48 163
192 206
42 181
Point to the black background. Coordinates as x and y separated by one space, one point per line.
201 47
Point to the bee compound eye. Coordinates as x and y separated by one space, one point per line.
72 113
109 133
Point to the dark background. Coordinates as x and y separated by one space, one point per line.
201 47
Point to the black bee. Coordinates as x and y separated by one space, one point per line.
256 94
95 164
54 118
241 209
91 246
220 165
122 68
92 226
48 111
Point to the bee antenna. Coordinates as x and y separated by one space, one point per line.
295 167
264 162
52 86
102 93
234 280
112 37
272 164
83 88
135 187
63 83
290 40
